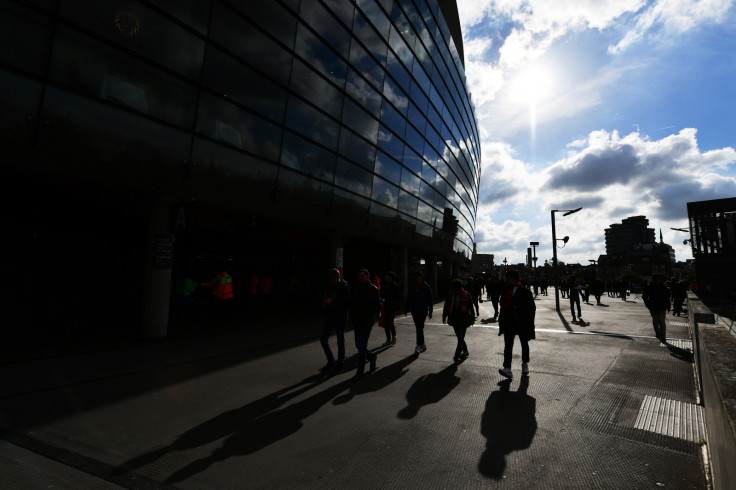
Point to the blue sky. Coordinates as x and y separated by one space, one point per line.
623 107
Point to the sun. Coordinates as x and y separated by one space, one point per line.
531 85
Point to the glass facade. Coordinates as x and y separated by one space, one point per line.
348 114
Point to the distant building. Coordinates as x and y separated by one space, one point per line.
631 247
713 241
480 263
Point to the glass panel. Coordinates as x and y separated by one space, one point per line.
19 101
385 193
360 121
414 139
408 204
274 18
377 17
102 71
353 178
350 208
235 81
364 93
232 172
313 124
302 195
357 149
426 192
21 26
230 30
86 137
314 14
395 95
192 12
315 88
229 124
318 55
388 168
366 65
307 157
412 160
142 30
392 119
342 9
390 143
399 73
410 182
399 46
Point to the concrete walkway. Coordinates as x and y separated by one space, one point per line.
605 406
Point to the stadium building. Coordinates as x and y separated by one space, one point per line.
145 140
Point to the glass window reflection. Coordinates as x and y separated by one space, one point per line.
408 204
315 88
305 156
322 21
235 33
385 193
363 92
99 70
360 121
19 24
357 149
315 125
235 81
237 127
388 168
142 30
318 55
353 178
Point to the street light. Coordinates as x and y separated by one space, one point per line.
567 212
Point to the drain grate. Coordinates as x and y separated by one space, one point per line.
671 418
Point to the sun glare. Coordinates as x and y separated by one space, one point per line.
531 85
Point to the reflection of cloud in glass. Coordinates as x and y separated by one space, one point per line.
400 101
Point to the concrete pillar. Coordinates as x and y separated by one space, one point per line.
403 271
159 262
336 254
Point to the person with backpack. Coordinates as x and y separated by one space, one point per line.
458 313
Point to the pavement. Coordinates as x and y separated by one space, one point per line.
604 406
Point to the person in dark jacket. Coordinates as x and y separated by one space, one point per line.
516 318
391 296
420 302
494 289
335 304
458 313
656 298
365 306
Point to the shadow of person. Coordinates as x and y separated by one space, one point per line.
226 423
682 354
430 388
250 435
377 380
509 424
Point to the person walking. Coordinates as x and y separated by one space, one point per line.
391 296
365 305
458 313
335 304
420 302
516 319
574 291
656 298
495 289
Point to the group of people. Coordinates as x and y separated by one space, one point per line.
365 304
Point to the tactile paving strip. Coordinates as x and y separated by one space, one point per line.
671 418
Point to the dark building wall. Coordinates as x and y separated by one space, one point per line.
314 116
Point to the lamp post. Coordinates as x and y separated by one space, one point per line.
567 212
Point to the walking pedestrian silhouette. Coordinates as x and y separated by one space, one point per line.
509 424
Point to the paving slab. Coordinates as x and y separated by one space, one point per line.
605 406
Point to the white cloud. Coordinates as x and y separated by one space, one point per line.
674 17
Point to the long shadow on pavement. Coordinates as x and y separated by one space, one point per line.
430 388
509 424
253 419
377 380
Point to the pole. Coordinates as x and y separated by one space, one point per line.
554 262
